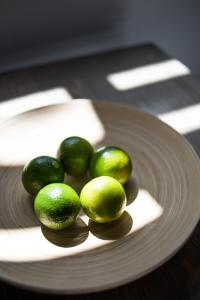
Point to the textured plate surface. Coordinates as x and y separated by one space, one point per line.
163 200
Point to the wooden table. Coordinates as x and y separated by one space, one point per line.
179 278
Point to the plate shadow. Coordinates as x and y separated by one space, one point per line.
131 189
75 235
113 230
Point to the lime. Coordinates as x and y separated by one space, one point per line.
111 161
41 171
103 199
57 205
75 153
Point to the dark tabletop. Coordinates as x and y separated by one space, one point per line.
86 77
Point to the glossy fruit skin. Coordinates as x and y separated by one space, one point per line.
75 154
103 199
41 171
57 206
111 161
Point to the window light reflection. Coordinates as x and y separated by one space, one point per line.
18 105
141 76
29 244
39 132
184 120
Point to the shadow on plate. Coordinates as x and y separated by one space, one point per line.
77 183
131 188
75 235
16 205
114 230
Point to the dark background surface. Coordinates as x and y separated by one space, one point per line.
34 32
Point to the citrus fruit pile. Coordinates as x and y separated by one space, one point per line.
103 198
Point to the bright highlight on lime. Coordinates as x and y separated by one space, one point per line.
103 199
41 171
57 206
111 161
75 154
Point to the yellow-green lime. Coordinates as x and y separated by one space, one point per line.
75 154
57 206
41 171
103 199
111 161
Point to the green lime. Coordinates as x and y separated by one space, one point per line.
103 199
41 171
57 205
111 161
75 153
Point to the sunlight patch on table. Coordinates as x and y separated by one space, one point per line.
149 74
19 105
184 120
